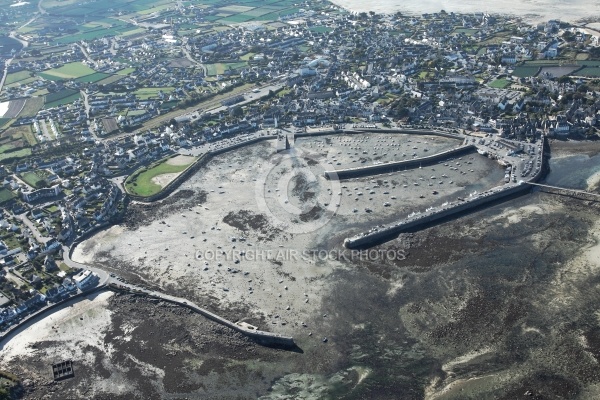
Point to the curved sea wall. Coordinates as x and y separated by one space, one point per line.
193 168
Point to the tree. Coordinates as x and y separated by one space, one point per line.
237 112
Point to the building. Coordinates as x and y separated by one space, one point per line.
86 279
41 193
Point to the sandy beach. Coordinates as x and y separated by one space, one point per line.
533 11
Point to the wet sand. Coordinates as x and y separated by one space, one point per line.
495 304
533 11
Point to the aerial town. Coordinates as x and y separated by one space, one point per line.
97 102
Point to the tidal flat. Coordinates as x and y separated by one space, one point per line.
499 303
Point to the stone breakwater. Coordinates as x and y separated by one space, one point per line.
381 234
262 337
382 168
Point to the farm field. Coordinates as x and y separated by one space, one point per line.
68 71
32 106
17 77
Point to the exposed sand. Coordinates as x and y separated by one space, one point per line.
593 182
163 180
280 270
530 10
77 326
181 160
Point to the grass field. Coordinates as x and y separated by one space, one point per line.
64 100
140 182
95 77
220 68
111 79
68 71
500 83
125 71
61 94
16 154
593 72
16 77
32 106
320 29
6 195
31 178
29 136
149 93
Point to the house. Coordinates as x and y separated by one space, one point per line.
86 279
50 264
51 245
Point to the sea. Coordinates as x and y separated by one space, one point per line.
533 11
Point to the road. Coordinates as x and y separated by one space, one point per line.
34 230
189 57
212 106
105 277
86 54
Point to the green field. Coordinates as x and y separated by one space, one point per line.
6 195
320 29
32 106
64 100
525 71
220 68
61 94
125 71
593 72
111 79
31 178
500 83
16 154
95 77
17 77
68 71
150 93
140 182
588 63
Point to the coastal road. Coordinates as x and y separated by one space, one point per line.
105 277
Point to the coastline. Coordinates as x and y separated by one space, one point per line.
529 11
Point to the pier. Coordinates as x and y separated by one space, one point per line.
416 220
580 194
